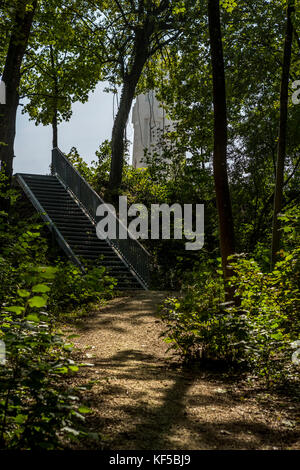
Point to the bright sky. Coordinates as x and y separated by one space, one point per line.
90 124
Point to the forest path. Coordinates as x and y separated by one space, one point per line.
143 400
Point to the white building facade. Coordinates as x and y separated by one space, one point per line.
2 92
149 123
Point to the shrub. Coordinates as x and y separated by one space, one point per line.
38 410
71 289
36 407
258 333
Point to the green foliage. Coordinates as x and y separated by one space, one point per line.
256 332
252 40
228 5
290 222
36 408
86 171
70 289
170 177
70 49
57 69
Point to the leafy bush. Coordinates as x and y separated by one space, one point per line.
257 332
36 408
71 289
23 246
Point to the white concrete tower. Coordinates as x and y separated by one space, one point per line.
2 92
149 123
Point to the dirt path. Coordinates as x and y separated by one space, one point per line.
144 401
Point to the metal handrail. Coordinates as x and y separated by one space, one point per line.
51 225
130 250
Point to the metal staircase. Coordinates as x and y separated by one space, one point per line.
68 205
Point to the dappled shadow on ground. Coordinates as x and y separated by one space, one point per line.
135 304
143 401
180 418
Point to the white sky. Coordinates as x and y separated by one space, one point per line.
90 124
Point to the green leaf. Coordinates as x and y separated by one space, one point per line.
20 419
276 336
23 293
37 301
42 288
73 336
47 272
16 309
33 318
62 370
84 410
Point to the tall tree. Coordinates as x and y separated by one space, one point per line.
122 37
57 69
140 29
24 11
283 123
226 227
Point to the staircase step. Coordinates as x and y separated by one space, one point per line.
78 230
118 269
85 249
69 226
95 253
74 237
60 212
52 200
55 202
89 235
71 223
43 188
85 239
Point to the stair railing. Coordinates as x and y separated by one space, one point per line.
130 250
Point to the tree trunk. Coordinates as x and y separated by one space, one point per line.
130 82
117 141
283 120
54 131
11 77
55 101
226 227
